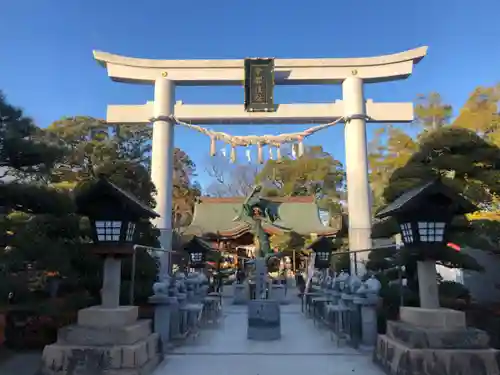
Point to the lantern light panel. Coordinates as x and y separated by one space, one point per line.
431 232
407 233
196 257
130 232
108 231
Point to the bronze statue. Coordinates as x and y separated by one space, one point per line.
256 211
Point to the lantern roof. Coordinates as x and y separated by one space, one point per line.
196 244
424 195
103 199
323 243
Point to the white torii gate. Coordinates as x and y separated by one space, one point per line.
352 73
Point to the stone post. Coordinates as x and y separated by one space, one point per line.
260 278
427 284
162 160
240 293
110 295
358 191
368 311
164 305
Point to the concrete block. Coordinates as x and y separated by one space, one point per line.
433 318
118 335
135 355
97 316
115 357
435 338
53 357
396 358
152 345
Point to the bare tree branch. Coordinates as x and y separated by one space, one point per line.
229 179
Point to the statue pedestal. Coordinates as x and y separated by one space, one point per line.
264 320
277 293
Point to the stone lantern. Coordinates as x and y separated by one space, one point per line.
424 215
429 337
323 247
197 250
107 338
113 214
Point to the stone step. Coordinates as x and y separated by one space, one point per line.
433 318
131 359
98 316
435 338
396 358
121 335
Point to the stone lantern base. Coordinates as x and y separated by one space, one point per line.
435 341
105 341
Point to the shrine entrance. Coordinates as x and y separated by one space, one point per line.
259 76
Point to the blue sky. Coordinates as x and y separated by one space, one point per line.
47 66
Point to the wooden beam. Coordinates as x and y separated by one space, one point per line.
313 113
287 71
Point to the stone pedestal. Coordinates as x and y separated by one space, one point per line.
105 341
164 305
241 294
264 320
435 341
427 284
278 293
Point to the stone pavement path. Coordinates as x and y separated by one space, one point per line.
303 349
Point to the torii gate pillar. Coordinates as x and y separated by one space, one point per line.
162 164
356 162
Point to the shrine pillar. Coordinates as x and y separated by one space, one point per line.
356 161
162 164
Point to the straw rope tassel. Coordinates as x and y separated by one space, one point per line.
260 157
271 156
278 152
233 154
301 147
213 146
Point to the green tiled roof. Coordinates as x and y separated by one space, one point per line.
214 216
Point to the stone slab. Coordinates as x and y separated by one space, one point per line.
434 338
395 358
433 318
97 316
264 320
60 359
88 335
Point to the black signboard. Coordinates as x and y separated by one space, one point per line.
259 85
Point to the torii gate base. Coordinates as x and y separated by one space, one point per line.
351 73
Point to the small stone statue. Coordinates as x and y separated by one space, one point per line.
354 283
161 287
341 281
328 282
373 285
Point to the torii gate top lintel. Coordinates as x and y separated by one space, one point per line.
287 71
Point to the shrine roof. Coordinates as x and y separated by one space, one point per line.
414 198
214 217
